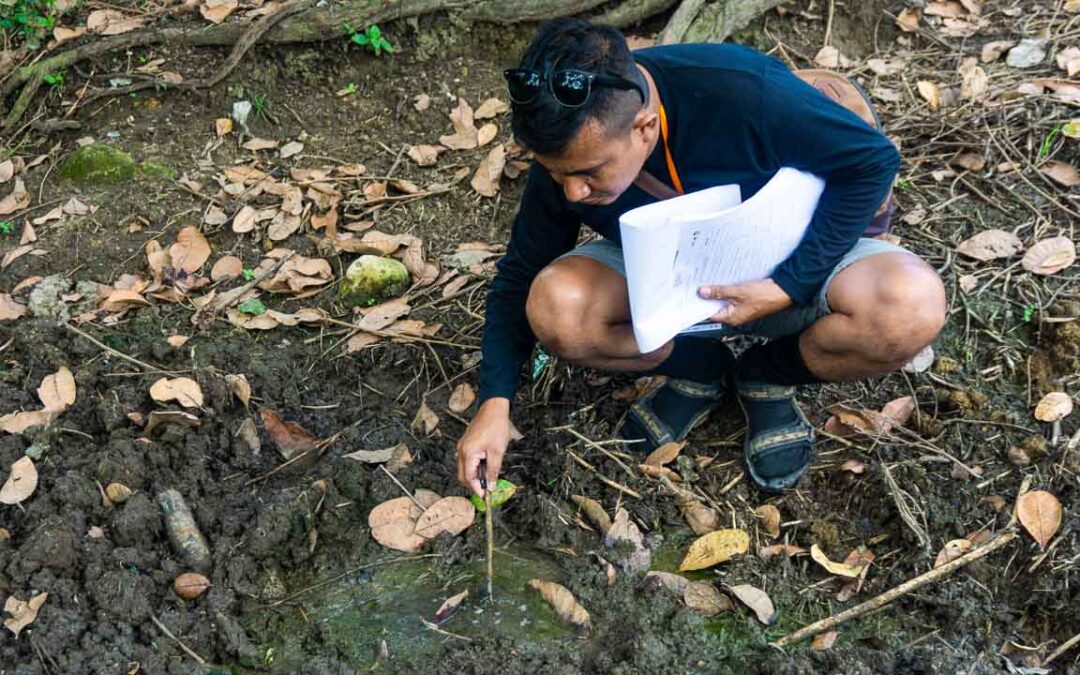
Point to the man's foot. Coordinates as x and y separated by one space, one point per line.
669 413
779 442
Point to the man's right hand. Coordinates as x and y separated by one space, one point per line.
485 439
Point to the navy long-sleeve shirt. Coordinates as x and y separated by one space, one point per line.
734 116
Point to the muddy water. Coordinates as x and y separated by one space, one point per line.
390 603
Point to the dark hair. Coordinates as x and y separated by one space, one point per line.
547 127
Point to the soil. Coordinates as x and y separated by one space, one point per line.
295 568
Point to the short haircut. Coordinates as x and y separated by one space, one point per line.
547 127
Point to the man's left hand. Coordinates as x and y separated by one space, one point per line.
746 302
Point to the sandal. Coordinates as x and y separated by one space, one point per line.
669 413
775 456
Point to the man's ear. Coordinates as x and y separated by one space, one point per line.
646 125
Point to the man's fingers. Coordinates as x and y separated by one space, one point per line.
474 485
716 292
494 464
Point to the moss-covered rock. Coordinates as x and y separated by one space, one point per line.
98 163
371 279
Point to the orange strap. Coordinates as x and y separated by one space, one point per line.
667 152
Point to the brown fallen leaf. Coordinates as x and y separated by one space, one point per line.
486 134
674 583
627 543
1062 173
951 551
227 267
491 107
29 234
899 410
594 511
449 514
705 599
382 315
14 254
787 550
564 603
216 11
769 516
974 85
21 482
665 454
992 51
714 548
839 569
112 22
450 606
1040 514
426 420
289 437
757 600
855 466
191 250
57 391
486 179
701 519
17 423
830 57
9 309
23 613
1049 256
183 390
425 155
374 456
968 161
1054 406
461 398
223 126
360 341
257 144
930 93
465 132
908 20
240 387
991 245
823 641
393 524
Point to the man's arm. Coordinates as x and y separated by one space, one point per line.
805 130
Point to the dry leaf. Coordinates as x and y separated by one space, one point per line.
177 417
9 309
991 245
671 582
968 161
23 613
421 102
57 391
465 133
908 20
769 516
227 267
830 57
121 300
17 200
183 390
289 437
191 250
839 569
393 524
449 514
257 144
291 148
1054 406
374 456
216 11
450 605
703 598
117 493
486 134
594 511
757 600
425 155
951 551
382 315
461 398
426 420
855 466
665 454
249 434
930 93
1061 173
823 641
1040 514
16 423
360 341
240 387
8 168
1068 59
1049 256
223 126
627 543
714 548
486 179
29 235
944 8
787 550
14 254
564 603
701 519
992 51
244 220
899 410
112 22
491 108
21 482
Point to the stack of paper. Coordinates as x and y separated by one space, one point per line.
672 248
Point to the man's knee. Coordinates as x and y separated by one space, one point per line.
558 311
906 312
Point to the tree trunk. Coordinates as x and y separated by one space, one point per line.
718 20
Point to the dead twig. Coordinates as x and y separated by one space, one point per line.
604 479
169 634
120 355
596 446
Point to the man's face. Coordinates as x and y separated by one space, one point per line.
597 166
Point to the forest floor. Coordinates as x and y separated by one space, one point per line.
298 583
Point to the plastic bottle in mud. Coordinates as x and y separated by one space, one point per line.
184 534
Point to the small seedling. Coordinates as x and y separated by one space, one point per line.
54 79
348 90
261 105
30 20
249 274
255 307
1029 313
540 361
370 37
1048 142
7 227
902 184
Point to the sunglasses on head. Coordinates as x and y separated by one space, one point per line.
570 88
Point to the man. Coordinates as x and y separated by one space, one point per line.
610 129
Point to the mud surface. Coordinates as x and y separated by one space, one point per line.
298 585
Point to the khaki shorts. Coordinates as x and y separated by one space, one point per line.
791 320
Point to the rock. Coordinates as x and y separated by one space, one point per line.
1027 54
45 302
371 279
98 163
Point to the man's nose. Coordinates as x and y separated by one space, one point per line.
576 189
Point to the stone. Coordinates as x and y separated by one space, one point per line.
98 163
370 279
1027 54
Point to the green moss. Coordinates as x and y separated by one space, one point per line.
154 170
98 163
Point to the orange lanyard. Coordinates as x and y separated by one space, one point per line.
667 152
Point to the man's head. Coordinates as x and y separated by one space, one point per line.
596 149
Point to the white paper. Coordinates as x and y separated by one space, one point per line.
673 247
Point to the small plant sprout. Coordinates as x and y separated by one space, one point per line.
348 90
1048 141
370 37
254 307
261 105
54 79
1029 313
248 273
7 227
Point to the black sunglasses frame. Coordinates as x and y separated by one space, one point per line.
549 77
